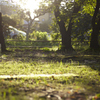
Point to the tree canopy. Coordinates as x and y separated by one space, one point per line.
70 14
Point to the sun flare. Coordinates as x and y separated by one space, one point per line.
33 4
30 4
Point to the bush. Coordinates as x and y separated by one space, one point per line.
36 35
55 36
21 37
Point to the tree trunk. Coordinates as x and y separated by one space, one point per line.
28 30
66 37
66 34
94 44
2 41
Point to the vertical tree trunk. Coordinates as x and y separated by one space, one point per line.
66 37
66 34
96 27
2 41
28 30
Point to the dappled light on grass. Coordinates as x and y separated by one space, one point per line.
58 75
36 75
63 87
31 67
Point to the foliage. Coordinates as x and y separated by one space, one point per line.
20 37
54 26
7 21
55 36
89 7
19 20
38 35
82 26
15 12
94 42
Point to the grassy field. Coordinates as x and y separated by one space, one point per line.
30 43
85 85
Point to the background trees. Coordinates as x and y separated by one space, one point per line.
60 11
72 20
6 22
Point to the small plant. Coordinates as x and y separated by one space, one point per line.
55 36
46 49
21 37
36 35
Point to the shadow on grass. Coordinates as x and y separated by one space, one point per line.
73 88
90 82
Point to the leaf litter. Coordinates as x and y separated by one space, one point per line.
13 87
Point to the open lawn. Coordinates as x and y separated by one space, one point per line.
81 80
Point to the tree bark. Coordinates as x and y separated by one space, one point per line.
66 37
2 41
28 30
94 44
30 24
66 34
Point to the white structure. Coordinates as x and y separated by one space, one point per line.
14 32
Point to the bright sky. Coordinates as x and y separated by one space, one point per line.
29 4
32 4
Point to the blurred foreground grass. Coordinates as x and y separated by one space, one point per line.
29 61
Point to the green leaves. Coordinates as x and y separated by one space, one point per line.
7 20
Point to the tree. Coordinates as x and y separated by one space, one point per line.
94 44
6 22
30 20
92 7
2 41
82 26
66 34
18 17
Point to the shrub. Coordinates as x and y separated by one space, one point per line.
36 35
55 36
21 37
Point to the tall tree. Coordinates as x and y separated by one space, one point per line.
30 20
94 44
2 41
28 15
66 34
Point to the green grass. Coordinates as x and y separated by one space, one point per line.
29 61
24 43
76 45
